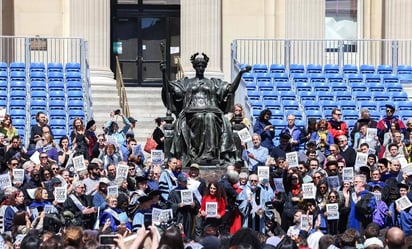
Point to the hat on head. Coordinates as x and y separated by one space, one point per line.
90 124
390 107
372 241
132 120
376 185
182 178
104 180
194 165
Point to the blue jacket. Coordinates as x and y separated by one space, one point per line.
354 219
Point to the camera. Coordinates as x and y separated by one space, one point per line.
147 220
116 112
107 239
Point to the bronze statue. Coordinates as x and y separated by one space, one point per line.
202 133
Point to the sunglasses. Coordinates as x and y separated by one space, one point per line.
253 180
389 110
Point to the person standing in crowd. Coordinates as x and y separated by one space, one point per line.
283 147
168 178
295 132
322 137
158 133
214 194
91 137
112 128
64 151
132 152
7 127
114 216
16 202
336 126
110 156
384 125
256 155
93 179
99 198
293 196
80 142
265 129
15 149
184 212
347 152
36 131
364 119
253 205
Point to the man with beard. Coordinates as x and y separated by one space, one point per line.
256 155
184 212
80 206
252 205
30 186
92 181
336 126
111 172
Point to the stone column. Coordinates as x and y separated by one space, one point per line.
201 31
91 20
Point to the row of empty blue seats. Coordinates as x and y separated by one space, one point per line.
40 76
331 68
40 67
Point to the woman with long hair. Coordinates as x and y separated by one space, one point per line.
214 193
322 136
78 136
7 127
158 134
64 151
265 129
16 203
41 199
321 195
293 196
21 223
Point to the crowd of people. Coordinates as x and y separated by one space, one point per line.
327 187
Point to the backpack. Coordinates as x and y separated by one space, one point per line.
365 207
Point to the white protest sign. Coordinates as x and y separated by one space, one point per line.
361 160
333 182
122 170
157 157
292 159
111 140
333 211
18 176
278 182
5 180
244 135
113 190
347 174
35 157
309 190
60 194
407 169
403 202
78 163
263 172
304 221
211 209
2 113
186 196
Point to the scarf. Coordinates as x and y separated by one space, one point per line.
296 190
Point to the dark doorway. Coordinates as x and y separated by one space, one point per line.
140 30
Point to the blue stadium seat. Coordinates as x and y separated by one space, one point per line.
330 68
366 69
57 114
3 67
37 103
72 67
326 96
256 104
300 123
282 86
58 123
296 68
38 85
393 87
3 102
305 95
405 73
248 77
316 114
55 85
277 68
18 113
372 78
75 114
404 105
390 78
75 95
371 105
256 112
37 67
4 76
334 78
299 77
310 105
270 95
279 124
57 104
290 105
55 76
58 133
35 109
350 115
398 96
18 104
17 66
39 95
376 115
358 86
37 76
376 87
250 85
362 96
297 113
18 85
321 86
338 86
253 95
259 68
57 95
380 96
317 77
384 69
287 95
284 77
18 94
73 76
54 67
278 114
303 86
354 78
19 123
327 105
346 105
339 96
350 69
313 68
406 114
272 104
4 86
265 86
18 75
79 105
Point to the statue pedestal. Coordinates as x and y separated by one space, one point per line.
211 172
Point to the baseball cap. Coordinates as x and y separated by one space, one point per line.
373 241
182 178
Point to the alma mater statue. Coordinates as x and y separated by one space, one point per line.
202 133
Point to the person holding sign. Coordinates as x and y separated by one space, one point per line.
112 127
256 155
184 205
214 194
293 196
16 202
116 217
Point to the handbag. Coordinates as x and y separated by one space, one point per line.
150 145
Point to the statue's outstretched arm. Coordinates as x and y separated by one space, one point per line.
236 81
